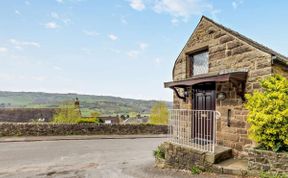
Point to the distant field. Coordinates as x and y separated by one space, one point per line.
106 105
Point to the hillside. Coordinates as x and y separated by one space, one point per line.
106 105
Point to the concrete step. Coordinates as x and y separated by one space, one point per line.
221 153
232 166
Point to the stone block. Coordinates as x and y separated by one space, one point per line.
263 64
242 131
260 72
217 48
219 34
225 39
237 124
240 50
217 55
231 137
233 44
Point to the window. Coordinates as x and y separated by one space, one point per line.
199 63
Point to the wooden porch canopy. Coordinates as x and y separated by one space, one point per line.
237 78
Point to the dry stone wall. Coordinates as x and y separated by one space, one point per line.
48 129
263 160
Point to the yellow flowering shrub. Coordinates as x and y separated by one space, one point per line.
268 114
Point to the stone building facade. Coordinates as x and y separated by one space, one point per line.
228 52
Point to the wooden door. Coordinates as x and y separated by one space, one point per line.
203 104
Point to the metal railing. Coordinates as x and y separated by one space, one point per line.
193 128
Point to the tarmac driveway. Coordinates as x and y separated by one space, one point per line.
107 158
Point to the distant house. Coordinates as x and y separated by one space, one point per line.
136 120
110 119
211 75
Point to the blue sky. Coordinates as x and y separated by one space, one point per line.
124 48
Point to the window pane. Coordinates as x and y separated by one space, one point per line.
200 63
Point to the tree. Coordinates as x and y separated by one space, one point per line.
159 114
95 114
268 113
67 113
122 117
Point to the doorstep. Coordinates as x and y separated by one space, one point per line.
232 166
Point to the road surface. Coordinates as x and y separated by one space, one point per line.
107 158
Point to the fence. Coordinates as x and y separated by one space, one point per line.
193 128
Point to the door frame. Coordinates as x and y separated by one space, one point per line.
206 118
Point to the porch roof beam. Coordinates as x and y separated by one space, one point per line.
235 76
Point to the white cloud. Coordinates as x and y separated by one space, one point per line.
174 21
20 44
178 9
54 15
237 3
61 18
182 8
17 12
113 37
137 5
68 1
117 51
143 46
6 77
157 60
3 50
38 78
133 53
57 68
91 33
51 25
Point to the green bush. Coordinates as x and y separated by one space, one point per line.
272 175
195 170
159 153
268 114
88 120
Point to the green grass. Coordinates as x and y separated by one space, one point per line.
159 153
195 170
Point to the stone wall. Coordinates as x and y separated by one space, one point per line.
26 114
181 157
48 129
226 52
280 69
267 161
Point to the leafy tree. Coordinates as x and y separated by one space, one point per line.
67 113
122 117
159 114
95 114
268 116
132 114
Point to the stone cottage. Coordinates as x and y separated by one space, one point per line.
211 75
